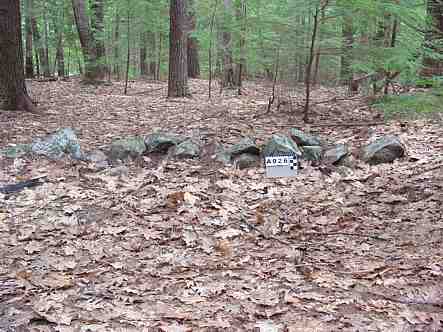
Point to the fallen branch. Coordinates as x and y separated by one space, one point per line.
355 124
375 237
337 124
13 188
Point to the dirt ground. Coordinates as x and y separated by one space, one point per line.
191 245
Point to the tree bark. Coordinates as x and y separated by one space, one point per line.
152 54
241 64
94 70
13 94
144 67
193 61
60 54
116 69
178 60
228 62
39 45
431 65
346 56
29 66
46 69
98 32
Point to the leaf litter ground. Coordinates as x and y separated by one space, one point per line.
160 244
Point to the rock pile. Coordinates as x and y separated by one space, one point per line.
246 153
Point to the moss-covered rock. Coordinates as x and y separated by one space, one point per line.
127 147
162 142
384 150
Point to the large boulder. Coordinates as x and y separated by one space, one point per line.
187 149
127 147
281 145
56 146
335 154
303 139
162 142
384 150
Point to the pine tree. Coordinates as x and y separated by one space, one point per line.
13 94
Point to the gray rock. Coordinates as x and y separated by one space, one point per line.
303 139
281 144
127 147
187 149
335 154
57 145
161 142
223 156
246 145
97 158
16 151
383 150
246 160
312 153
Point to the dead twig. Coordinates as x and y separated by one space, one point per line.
375 237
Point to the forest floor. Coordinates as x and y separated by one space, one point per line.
191 245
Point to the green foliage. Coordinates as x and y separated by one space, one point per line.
420 104
278 26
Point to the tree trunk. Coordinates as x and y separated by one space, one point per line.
46 69
346 56
98 32
431 64
241 64
228 62
13 94
152 54
116 69
178 62
39 45
159 56
193 63
144 68
60 54
29 67
93 71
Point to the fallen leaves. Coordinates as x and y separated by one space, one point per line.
175 245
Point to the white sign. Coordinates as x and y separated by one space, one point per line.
279 166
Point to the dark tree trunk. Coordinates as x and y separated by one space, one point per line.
159 56
13 94
193 63
98 32
241 64
228 61
144 68
29 66
116 69
39 45
94 70
46 69
178 62
37 63
431 65
346 56
60 54
152 54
